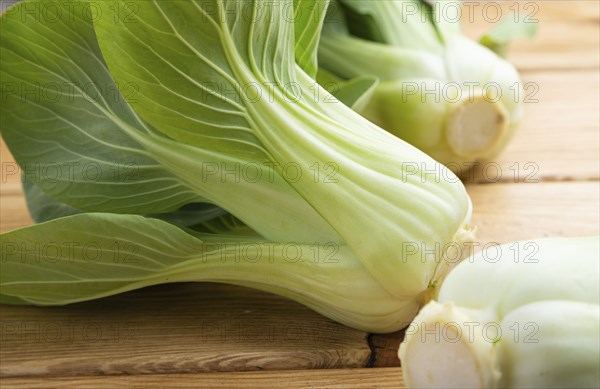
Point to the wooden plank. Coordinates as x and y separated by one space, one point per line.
332 379
559 137
200 327
13 209
505 213
568 31
9 170
178 328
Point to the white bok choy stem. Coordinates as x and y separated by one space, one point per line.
527 319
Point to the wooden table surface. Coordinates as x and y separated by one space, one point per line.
211 336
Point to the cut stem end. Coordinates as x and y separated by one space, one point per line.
440 352
476 126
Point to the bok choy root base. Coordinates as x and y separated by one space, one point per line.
185 92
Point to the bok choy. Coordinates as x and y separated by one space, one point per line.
166 104
440 91
526 316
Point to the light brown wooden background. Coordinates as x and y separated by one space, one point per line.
224 336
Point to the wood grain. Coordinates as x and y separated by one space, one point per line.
13 209
177 328
559 137
505 213
390 378
568 32
210 327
